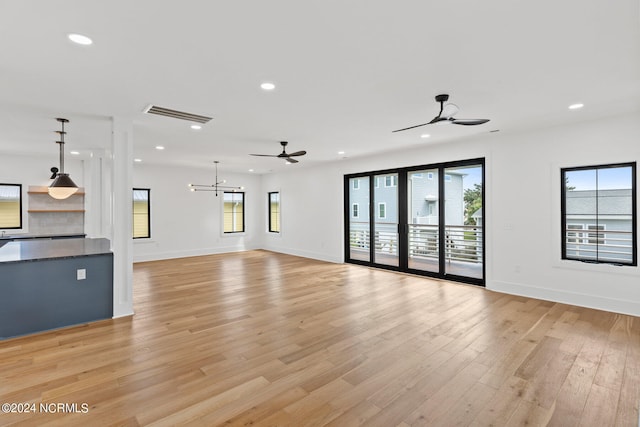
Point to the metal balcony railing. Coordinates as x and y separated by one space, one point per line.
602 245
462 242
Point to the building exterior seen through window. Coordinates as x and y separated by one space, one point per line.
274 212
10 206
233 212
599 214
141 213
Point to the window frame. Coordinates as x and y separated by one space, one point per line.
356 184
269 210
148 236
356 211
243 213
384 206
21 223
585 235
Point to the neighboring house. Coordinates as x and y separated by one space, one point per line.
424 198
607 226
10 206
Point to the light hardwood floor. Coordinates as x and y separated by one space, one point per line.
266 339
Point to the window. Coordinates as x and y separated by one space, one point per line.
274 212
447 178
390 180
574 236
599 214
382 210
10 206
233 212
355 210
356 184
416 175
429 175
141 213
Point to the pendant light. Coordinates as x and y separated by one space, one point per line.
62 186
214 187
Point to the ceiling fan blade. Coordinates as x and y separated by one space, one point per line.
263 155
290 160
298 153
412 127
469 122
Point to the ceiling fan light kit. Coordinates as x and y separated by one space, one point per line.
445 116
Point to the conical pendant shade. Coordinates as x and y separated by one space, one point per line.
62 187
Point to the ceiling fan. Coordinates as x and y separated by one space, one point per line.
446 115
284 154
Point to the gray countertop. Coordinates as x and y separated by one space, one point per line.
35 250
39 236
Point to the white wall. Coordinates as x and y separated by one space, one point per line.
186 223
522 208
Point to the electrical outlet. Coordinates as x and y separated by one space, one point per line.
81 274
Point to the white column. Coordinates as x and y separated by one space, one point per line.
94 180
121 213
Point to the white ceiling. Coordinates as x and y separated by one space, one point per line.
347 73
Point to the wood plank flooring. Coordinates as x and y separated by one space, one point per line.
265 339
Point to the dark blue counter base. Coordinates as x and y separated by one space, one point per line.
41 295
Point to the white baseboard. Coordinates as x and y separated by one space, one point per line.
189 253
584 300
306 254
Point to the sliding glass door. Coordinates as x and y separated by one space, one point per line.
359 242
424 220
385 196
463 231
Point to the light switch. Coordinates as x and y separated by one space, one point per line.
81 274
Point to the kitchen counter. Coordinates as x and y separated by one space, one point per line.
41 249
49 284
27 236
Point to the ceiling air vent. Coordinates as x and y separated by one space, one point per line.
161 111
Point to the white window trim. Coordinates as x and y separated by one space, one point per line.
356 184
385 210
357 206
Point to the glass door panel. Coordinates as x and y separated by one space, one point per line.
423 220
463 233
385 211
359 226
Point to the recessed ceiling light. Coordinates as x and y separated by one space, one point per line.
425 135
80 39
137 160
196 127
268 86
159 147
575 106
75 153
250 170
340 152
